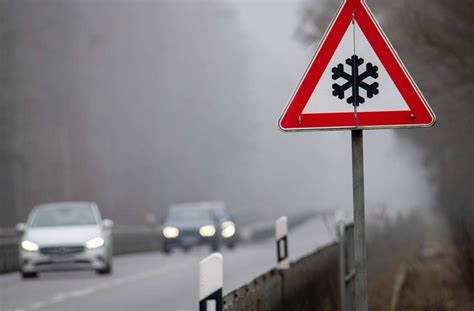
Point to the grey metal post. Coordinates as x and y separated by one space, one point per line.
359 221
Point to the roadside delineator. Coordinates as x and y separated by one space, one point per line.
211 283
281 235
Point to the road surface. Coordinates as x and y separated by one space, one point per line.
152 281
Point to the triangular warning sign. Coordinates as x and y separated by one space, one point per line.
356 80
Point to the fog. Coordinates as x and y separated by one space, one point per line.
138 105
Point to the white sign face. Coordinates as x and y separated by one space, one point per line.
388 98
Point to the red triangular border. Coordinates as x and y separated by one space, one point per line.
419 115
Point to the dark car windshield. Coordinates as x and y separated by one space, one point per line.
56 216
177 215
220 213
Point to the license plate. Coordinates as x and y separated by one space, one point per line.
60 258
189 240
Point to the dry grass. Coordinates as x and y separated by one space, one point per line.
433 283
432 280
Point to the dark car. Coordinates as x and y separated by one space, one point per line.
188 225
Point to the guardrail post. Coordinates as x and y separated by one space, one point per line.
281 235
345 233
342 260
349 245
211 283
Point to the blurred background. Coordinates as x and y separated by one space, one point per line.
138 105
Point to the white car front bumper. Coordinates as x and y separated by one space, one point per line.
63 258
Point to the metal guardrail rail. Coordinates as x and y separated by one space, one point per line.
311 283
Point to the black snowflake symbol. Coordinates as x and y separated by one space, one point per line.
370 71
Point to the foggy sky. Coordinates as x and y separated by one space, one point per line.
138 105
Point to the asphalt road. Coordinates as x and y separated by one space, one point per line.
152 281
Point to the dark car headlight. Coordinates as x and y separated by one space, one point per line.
170 232
227 229
207 230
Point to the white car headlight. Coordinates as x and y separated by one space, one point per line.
208 230
29 246
170 232
228 229
95 243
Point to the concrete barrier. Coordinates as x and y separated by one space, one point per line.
136 240
311 283
8 255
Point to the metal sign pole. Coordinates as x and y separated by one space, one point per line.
359 221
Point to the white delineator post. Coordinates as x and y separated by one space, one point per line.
281 235
210 283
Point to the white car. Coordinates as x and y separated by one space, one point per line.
65 236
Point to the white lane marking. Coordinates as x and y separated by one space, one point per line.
58 298
62 296
38 304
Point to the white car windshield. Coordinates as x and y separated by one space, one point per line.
56 216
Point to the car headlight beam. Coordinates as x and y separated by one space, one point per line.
228 229
207 231
95 243
29 246
170 232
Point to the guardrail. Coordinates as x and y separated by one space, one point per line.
322 280
311 283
